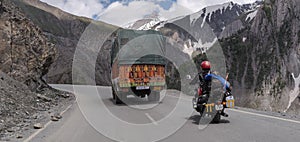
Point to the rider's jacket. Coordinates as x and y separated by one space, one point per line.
206 79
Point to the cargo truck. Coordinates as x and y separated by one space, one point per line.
138 65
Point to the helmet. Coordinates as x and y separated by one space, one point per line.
205 65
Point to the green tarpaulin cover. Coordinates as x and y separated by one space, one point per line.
139 47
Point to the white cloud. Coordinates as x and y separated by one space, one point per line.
86 8
121 15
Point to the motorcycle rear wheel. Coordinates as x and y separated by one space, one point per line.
217 118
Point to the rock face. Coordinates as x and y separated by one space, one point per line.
64 30
26 55
263 56
61 29
14 96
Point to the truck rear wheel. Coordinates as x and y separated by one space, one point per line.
116 98
157 94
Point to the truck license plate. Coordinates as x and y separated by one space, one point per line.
142 87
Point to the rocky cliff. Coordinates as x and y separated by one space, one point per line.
64 30
25 57
26 54
264 58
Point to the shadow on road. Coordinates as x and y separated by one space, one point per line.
196 119
134 101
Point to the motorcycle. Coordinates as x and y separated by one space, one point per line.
202 104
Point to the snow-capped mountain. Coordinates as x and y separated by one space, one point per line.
227 15
144 24
209 15
223 20
200 30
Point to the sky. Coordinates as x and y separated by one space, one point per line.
122 12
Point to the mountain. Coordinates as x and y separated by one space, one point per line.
264 59
220 18
64 30
25 57
144 24
261 46
26 54
147 23
223 20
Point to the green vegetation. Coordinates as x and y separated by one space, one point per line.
239 53
268 10
298 36
284 38
172 77
272 1
249 78
277 87
199 58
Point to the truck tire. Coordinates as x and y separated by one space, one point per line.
116 98
154 97
157 94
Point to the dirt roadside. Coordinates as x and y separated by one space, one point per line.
21 109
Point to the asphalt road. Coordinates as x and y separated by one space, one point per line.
171 120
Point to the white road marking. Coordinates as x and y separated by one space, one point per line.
152 120
266 116
45 126
37 132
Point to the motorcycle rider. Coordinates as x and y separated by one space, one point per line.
205 77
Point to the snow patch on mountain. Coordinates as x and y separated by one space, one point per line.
204 46
188 48
150 24
294 93
144 24
251 15
210 9
165 21
194 17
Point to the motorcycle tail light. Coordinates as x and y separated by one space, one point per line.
199 91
